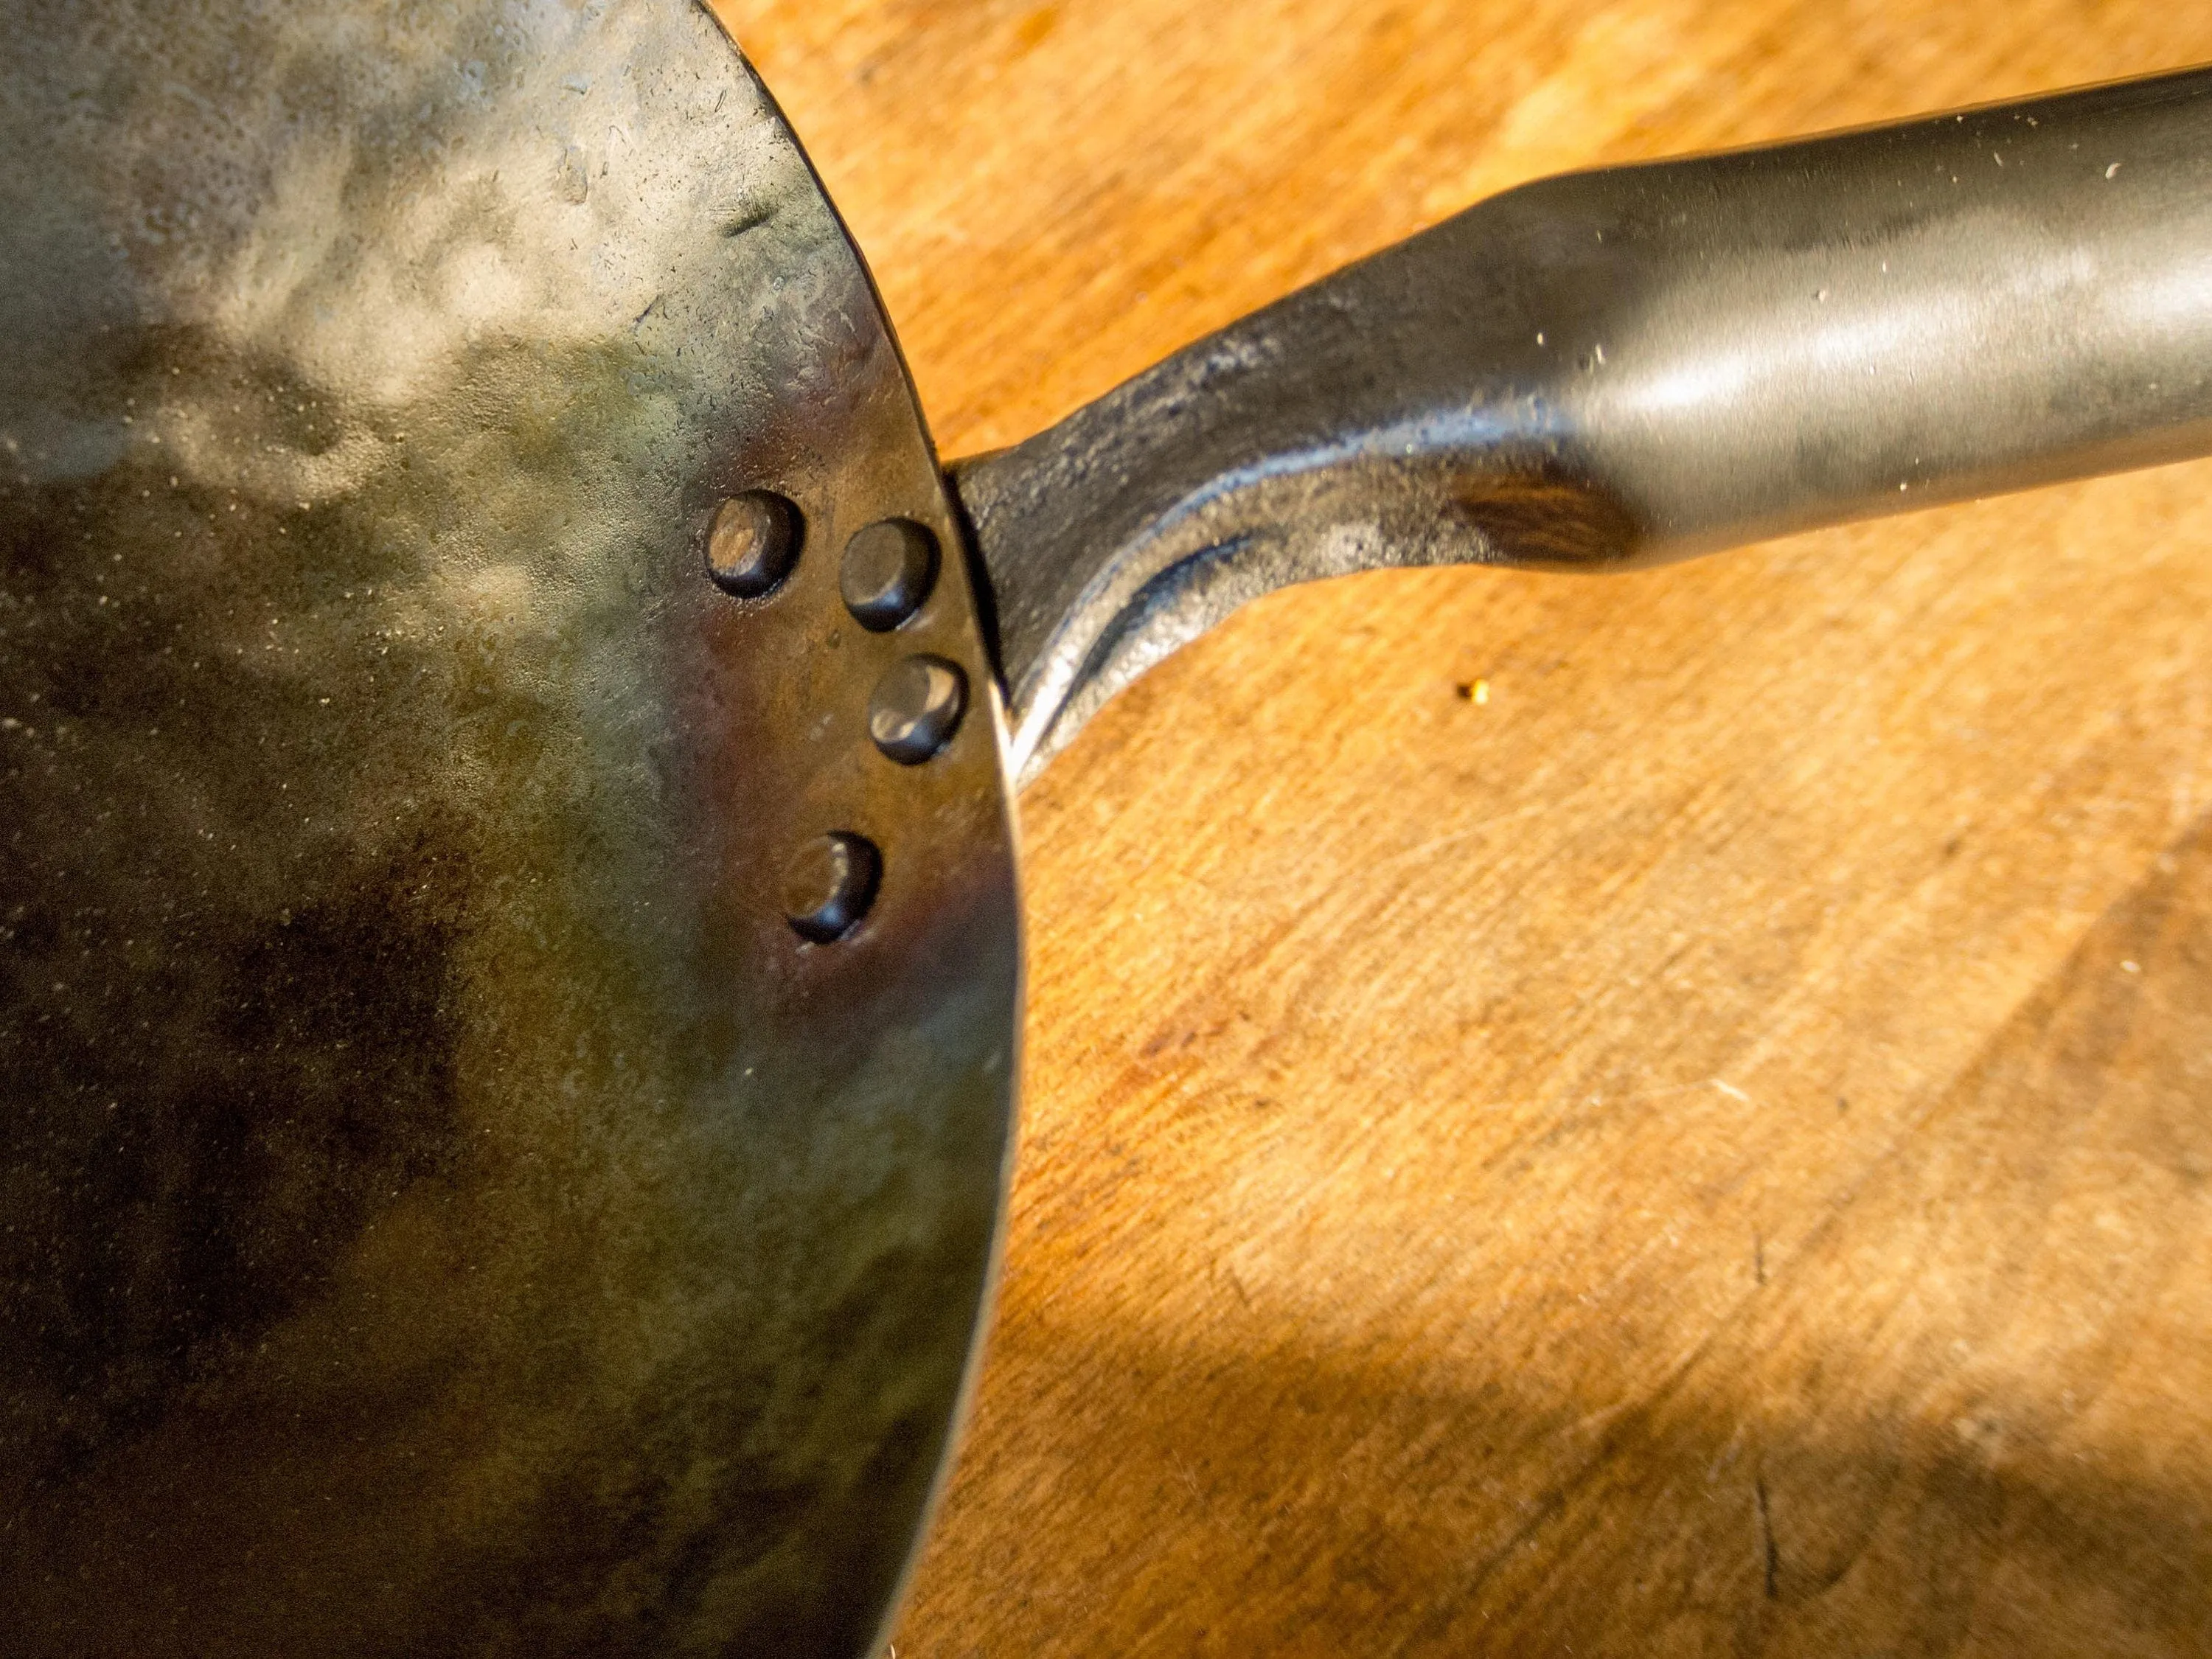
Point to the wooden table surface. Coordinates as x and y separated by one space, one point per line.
1705 1151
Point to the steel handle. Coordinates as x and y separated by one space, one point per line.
1619 368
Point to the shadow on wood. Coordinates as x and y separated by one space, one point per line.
1968 1413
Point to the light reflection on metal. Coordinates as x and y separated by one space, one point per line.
449 1208
513 1044
1621 368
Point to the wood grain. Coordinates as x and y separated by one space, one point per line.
1703 1150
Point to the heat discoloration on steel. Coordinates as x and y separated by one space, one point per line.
1614 368
450 1210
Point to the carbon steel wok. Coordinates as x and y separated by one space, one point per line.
509 927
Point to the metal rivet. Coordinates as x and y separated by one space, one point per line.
888 571
916 708
753 543
829 883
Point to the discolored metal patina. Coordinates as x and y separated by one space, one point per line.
448 1209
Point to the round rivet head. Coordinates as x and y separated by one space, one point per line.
887 572
916 708
829 883
752 544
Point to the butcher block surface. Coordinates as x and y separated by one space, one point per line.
1651 1115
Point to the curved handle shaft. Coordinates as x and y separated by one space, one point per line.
1623 367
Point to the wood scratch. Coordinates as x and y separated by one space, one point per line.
1767 1538
1188 1474
1599 1096
1211 1510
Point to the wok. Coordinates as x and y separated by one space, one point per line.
512 933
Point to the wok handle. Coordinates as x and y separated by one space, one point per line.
1619 368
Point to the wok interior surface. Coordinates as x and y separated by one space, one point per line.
448 1209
